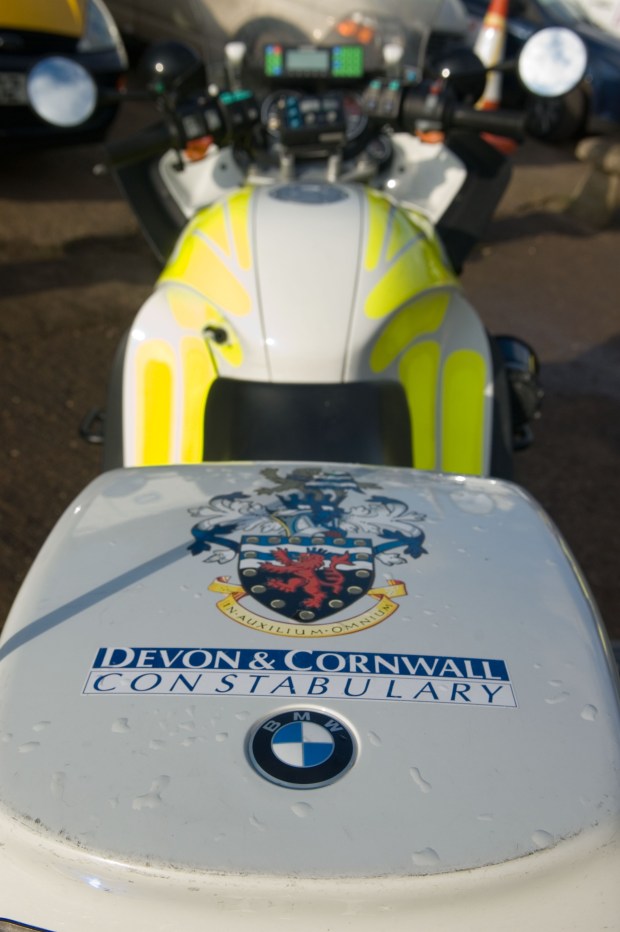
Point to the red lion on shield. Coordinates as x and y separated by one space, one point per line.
305 571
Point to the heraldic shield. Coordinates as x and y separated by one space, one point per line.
306 578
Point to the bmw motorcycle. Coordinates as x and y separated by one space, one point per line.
265 671
311 221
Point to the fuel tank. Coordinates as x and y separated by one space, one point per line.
247 694
309 283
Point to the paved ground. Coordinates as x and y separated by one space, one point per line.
73 270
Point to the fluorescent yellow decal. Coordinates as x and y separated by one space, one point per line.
419 374
192 312
205 261
401 234
239 211
217 228
198 266
188 308
378 217
405 256
60 17
464 378
155 366
198 375
417 269
423 316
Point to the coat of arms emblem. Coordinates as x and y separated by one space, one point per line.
307 552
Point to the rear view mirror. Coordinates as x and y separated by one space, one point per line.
61 92
552 62
170 66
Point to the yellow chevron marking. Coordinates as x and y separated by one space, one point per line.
155 365
462 442
197 265
239 212
378 216
422 316
418 269
216 228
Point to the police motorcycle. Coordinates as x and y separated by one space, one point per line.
328 693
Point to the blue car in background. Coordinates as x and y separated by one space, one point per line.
593 107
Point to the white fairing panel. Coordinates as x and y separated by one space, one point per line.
307 673
422 176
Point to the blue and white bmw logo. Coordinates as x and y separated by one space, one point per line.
302 748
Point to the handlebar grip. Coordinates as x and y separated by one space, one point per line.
150 142
499 122
418 109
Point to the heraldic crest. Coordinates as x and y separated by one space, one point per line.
307 548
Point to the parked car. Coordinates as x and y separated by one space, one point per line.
208 24
593 107
83 30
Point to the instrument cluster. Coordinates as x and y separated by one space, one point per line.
302 111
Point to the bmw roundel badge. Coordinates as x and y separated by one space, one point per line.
302 748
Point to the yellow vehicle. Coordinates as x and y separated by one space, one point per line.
33 29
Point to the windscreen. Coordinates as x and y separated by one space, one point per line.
316 22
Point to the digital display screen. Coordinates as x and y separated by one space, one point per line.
274 61
341 61
348 61
307 61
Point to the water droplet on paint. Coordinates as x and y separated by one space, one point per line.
419 780
589 713
152 799
302 810
428 857
121 726
555 700
542 839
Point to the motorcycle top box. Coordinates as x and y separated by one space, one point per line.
334 695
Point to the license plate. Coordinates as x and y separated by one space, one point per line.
13 89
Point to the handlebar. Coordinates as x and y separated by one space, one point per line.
445 114
233 116
431 107
223 120
148 143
